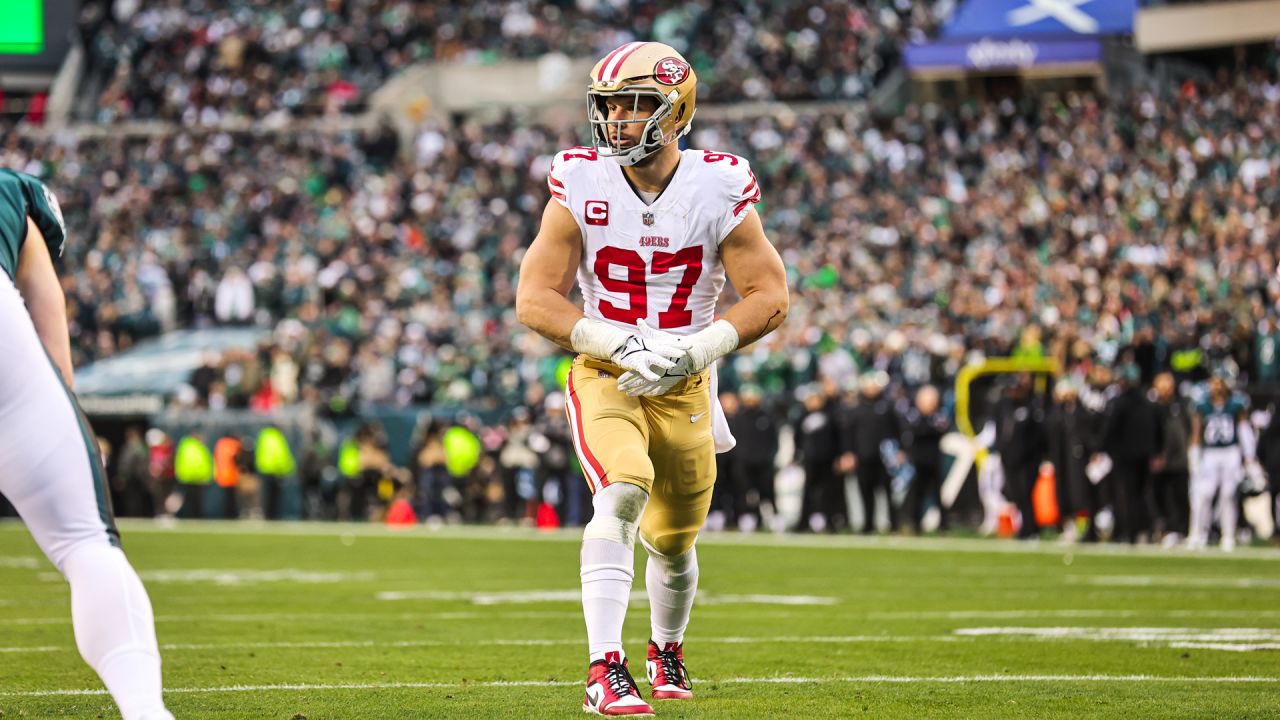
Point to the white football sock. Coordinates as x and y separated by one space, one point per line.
1228 507
606 587
672 583
114 628
608 565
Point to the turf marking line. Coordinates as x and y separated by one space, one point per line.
895 679
317 617
1228 647
226 576
532 642
521 597
574 535
247 577
1228 639
1066 613
1179 581
1006 678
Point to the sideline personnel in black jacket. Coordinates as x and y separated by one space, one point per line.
1020 442
870 423
756 429
818 445
923 426
1068 434
1269 456
1132 435
1171 474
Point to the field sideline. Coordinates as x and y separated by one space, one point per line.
317 621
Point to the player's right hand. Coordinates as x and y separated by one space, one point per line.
646 356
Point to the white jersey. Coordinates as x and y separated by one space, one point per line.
659 261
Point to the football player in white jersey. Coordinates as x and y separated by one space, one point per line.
650 234
49 464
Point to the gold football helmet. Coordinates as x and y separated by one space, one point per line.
636 70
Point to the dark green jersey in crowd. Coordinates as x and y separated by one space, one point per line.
23 196
1218 423
1267 351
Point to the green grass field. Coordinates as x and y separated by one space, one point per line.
316 621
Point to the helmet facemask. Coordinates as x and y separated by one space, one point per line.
603 130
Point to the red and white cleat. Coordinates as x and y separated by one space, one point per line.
612 691
667 676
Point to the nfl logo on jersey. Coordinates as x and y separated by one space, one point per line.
647 218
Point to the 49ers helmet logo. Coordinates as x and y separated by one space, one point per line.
671 71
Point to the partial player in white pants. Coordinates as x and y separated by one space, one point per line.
991 492
50 472
1218 475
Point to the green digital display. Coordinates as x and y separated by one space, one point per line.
21 27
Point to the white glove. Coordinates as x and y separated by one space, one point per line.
598 339
630 351
1255 479
635 384
707 346
646 352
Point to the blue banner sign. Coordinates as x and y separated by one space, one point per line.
1031 18
1001 54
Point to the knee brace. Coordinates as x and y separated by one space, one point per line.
617 514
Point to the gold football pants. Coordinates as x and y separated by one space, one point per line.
661 444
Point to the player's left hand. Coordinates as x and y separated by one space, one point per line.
633 384
704 347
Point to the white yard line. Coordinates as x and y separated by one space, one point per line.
894 679
355 531
826 639
229 576
520 597
1065 613
1177 581
1227 647
708 612
318 617
1014 678
252 577
1233 639
763 599
532 642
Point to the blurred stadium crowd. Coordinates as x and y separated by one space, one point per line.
1138 234
199 61
1074 230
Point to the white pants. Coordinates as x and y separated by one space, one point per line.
991 492
49 466
1219 475
51 472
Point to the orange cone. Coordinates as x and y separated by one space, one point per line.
401 514
1044 497
1007 526
547 517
